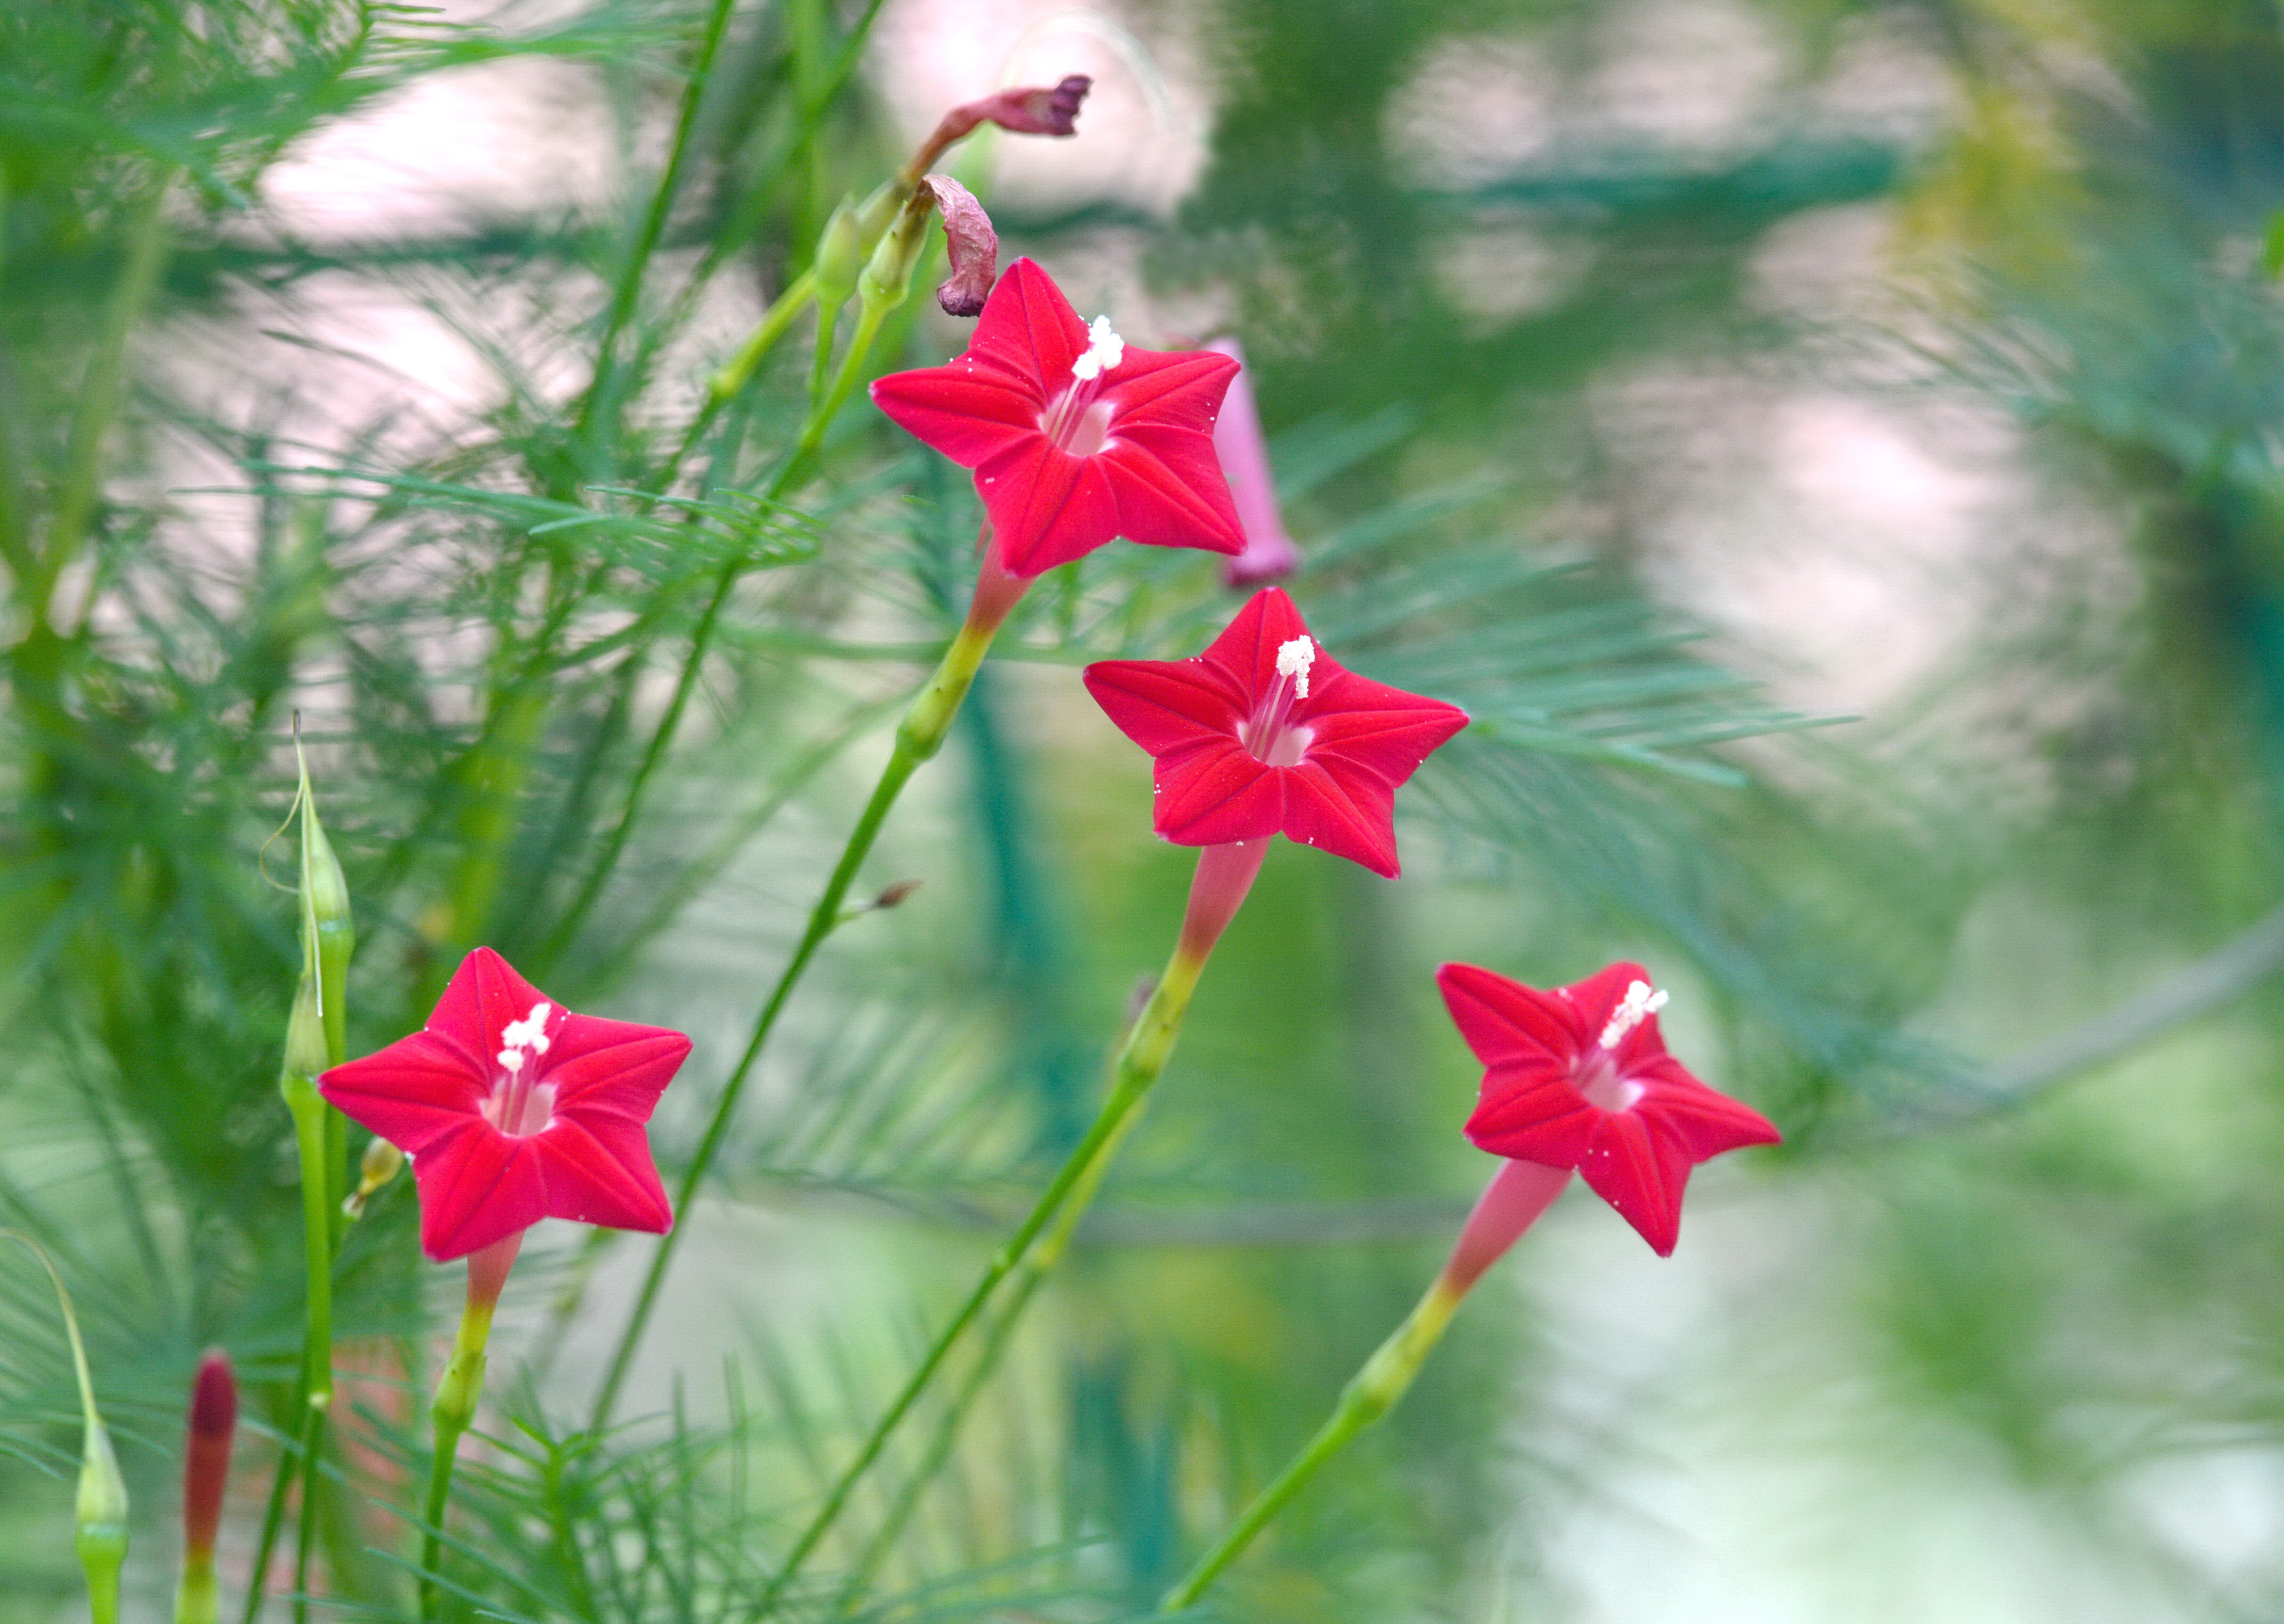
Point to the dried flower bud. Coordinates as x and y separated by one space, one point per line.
892 895
1027 110
972 245
1031 110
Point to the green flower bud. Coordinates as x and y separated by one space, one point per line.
382 1162
99 1519
100 1533
328 930
841 253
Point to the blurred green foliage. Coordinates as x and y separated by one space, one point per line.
2009 1293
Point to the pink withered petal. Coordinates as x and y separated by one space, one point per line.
1578 1076
513 1109
1264 733
1076 436
971 243
1270 554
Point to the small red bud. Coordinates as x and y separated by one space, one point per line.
206 1460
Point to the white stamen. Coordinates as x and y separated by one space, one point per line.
1641 1002
1294 659
531 1031
1105 349
512 1058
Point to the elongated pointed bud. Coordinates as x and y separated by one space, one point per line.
305 1045
206 1476
328 930
99 1519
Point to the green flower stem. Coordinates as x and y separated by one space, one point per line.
1035 1269
919 738
457 1391
1224 873
737 371
318 1210
1369 1395
197 1599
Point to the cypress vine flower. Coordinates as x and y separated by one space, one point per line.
1076 436
1579 1077
1266 733
513 1109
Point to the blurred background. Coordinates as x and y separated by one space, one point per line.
1832 447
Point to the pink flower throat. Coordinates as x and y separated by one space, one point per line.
1077 421
1270 735
1604 1088
519 1105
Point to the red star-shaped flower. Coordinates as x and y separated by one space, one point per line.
513 1109
1265 732
1074 435
1579 1077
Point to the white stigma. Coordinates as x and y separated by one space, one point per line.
529 1033
1641 1002
1294 659
1105 349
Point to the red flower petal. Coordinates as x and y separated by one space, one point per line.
969 413
613 1065
477 1186
1028 329
483 998
1503 1021
1641 1173
1215 794
1531 1110
599 1170
1168 704
1047 507
413 1093
1350 814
